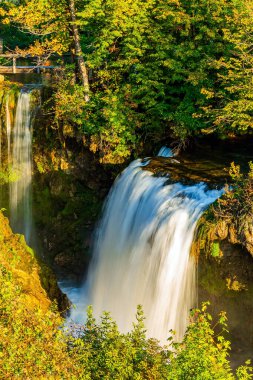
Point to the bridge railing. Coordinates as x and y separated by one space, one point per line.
14 68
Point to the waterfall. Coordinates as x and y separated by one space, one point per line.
142 252
8 128
165 152
20 190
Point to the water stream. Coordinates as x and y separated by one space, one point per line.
16 161
165 152
142 246
142 252
8 129
20 190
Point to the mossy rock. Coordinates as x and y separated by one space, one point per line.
37 282
215 249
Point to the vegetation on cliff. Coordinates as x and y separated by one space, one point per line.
234 211
31 343
34 344
230 217
137 71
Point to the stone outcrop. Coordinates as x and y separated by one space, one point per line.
211 231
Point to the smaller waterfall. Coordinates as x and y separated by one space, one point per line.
8 129
20 190
142 252
165 152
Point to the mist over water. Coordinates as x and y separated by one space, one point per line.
142 253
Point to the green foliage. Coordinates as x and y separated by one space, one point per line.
159 59
244 372
234 96
46 21
157 69
105 353
215 249
230 217
12 36
33 343
237 202
69 102
8 175
203 354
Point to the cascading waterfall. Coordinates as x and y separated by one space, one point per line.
20 190
142 252
8 129
165 152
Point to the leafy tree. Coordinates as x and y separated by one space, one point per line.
34 344
159 64
108 354
55 26
201 355
234 99
12 37
148 70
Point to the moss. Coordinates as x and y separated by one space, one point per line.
16 258
49 283
85 204
235 285
23 243
36 280
31 341
210 279
215 249
205 240
43 206
65 212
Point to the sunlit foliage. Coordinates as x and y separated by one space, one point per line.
157 69
34 343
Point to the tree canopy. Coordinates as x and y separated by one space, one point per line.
151 69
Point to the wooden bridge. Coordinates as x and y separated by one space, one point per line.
15 69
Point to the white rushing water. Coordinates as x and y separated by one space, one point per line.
165 152
8 129
142 253
20 190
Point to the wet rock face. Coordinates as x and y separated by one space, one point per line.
237 262
65 214
66 206
225 276
242 235
188 171
230 274
248 233
63 260
227 282
222 230
215 230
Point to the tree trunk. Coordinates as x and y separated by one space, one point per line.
78 51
